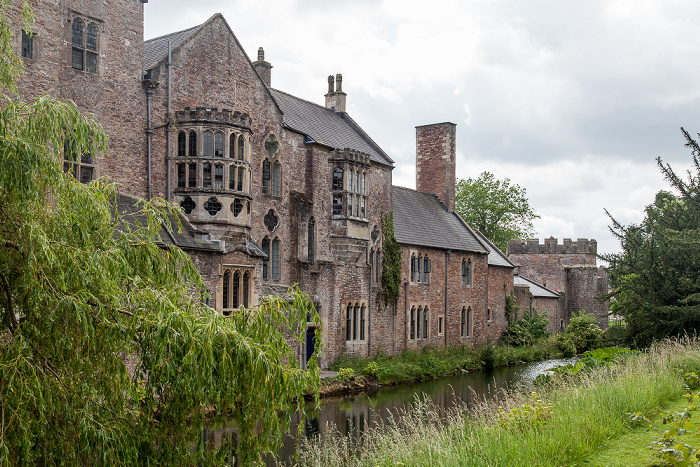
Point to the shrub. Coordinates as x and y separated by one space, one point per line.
531 415
526 331
372 369
488 357
583 330
346 374
565 345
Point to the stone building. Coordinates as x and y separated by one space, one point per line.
275 190
568 269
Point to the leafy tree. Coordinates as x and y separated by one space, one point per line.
498 209
83 287
656 276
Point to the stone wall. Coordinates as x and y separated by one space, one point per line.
435 161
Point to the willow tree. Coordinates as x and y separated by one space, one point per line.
83 288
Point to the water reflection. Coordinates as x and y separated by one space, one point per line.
353 415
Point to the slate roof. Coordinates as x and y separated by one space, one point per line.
155 49
535 289
327 127
496 256
185 239
421 219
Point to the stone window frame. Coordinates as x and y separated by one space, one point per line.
27 46
78 166
441 325
311 241
420 322
88 50
191 149
466 322
349 190
420 267
231 301
467 273
272 265
355 313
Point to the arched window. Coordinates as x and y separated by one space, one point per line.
348 322
276 179
414 265
219 176
207 151
246 288
355 311
266 177
192 175
232 145
181 144
206 175
469 322
241 148
466 273
311 240
266 261
241 173
419 269
337 179
219 144
413 322
84 50
224 290
275 260
418 322
462 323
469 272
231 177
364 183
425 322
236 289
362 322
181 175
193 144
426 269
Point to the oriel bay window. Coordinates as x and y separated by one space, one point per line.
349 194
355 322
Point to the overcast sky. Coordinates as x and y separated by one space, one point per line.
572 100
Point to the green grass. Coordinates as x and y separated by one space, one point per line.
433 362
588 425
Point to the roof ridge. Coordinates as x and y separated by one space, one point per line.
171 34
304 100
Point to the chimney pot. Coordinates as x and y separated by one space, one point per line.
330 83
261 54
338 83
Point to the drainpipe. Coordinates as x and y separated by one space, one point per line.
488 325
369 313
405 295
447 262
170 122
149 134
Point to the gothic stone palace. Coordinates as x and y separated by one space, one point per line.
275 190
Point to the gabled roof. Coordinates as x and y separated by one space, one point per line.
536 289
496 256
156 49
186 239
327 127
421 219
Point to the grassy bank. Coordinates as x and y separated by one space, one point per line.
564 424
433 362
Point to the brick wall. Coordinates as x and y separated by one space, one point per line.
435 161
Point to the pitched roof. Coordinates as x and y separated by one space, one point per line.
421 219
186 239
327 127
536 289
156 49
496 256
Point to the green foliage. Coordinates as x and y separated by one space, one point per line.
511 309
595 359
498 209
566 345
82 287
655 277
391 261
346 374
584 331
527 330
488 356
372 369
532 415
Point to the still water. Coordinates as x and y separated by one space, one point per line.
352 414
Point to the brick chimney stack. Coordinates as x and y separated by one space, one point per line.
335 99
263 68
436 155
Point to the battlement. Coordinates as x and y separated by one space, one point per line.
551 246
213 116
350 155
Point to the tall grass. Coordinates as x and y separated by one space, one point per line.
585 413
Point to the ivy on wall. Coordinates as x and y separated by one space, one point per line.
391 261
